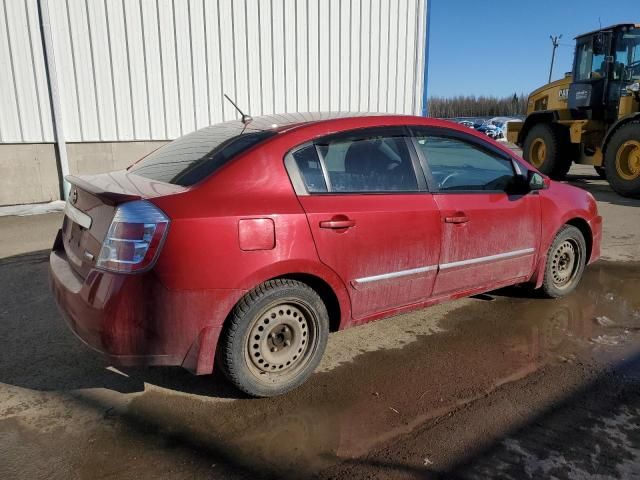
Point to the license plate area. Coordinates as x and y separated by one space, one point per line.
72 239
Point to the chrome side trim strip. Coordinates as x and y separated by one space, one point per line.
77 216
401 273
443 266
490 258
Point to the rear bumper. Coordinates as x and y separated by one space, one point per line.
135 320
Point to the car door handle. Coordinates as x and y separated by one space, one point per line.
336 224
457 219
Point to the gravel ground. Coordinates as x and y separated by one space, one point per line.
501 385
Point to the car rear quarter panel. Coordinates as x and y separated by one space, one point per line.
203 249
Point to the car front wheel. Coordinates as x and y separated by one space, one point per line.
566 260
275 338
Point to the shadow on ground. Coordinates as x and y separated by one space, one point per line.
38 351
593 433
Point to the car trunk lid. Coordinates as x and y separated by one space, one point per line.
90 208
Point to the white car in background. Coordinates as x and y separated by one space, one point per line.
501 124
467 123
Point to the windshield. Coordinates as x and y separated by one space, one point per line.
195 156
627 66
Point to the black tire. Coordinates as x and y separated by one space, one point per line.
566 259
275 338
624 174
602 172
554 141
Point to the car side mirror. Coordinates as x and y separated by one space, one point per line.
519 185
535 181
523 184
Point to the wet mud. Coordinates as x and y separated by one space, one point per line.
384 408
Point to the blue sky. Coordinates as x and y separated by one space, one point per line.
500 47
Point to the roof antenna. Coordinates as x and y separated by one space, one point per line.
245 118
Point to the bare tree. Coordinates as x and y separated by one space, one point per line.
472 106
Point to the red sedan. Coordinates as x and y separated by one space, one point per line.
245 244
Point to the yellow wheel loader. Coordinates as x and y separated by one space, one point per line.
592 116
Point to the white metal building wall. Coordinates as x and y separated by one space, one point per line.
25 107
157 69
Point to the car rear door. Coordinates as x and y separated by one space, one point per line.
489 236
372 219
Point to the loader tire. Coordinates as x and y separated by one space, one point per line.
547 148
622 160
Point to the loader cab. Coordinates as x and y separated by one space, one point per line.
606 62
626 67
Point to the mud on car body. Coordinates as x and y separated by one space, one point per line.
242 245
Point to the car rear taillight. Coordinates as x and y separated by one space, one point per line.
134 238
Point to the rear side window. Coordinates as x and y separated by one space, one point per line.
460 166
357 163
195 156
310 168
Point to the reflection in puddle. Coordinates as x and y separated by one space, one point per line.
348 411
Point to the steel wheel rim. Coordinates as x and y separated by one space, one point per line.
565 263
628 160
281 341
538 152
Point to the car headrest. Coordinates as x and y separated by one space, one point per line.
364 157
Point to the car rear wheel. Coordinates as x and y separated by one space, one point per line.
275 338
622 160
546 148
566 260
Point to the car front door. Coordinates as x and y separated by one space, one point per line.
489 236
372 219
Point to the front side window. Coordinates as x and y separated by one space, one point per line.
357 163
460 166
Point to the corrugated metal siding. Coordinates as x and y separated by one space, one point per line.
25 110
157 69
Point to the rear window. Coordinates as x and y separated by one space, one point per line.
195 156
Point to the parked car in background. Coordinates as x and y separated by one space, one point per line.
499 129
505 127
501 124
489 130
242 245
467 123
